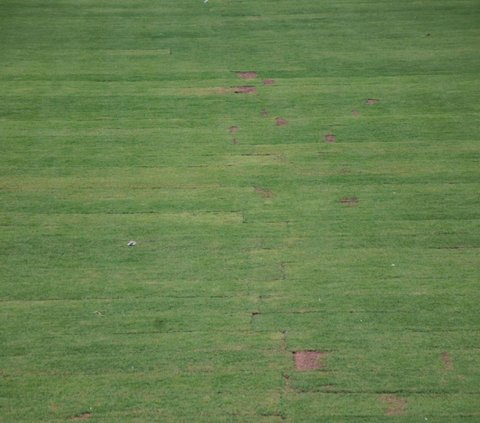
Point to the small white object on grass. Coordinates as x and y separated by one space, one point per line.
205 1
132 243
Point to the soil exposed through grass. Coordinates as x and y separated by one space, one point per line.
309 360
268 82
372 101
330 138
247 75
281 121
83 416
245 89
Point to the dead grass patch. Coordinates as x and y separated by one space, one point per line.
372 101
268 81
395 406
264 193
281 121
447 361
349 201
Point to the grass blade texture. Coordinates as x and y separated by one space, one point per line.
301 180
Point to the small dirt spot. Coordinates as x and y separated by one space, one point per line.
330 138
349 201
395 406
264 193
264 113
83 416
281 121
233 129
355 113
234 141
246 89
372 101
268 81
447 361
309 360
247 75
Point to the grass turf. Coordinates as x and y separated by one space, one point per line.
114 125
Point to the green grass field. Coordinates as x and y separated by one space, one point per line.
119 121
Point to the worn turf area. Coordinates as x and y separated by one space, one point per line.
301 179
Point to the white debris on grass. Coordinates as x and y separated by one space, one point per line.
132 243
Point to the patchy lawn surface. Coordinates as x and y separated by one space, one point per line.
301 180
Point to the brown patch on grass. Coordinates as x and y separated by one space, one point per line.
330 138
372 101
245 89
264 113
268 81
247 75
281 121
264 193
234 141
83 416
447 361
349 201
355 113
309 360
395 406
233 129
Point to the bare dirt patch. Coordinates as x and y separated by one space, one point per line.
447 361
372 101
281 121
245 89
268 81
234 141
247 75
264 113
82 416
264 193
330 138
395 406
349 201
233 129
309 360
